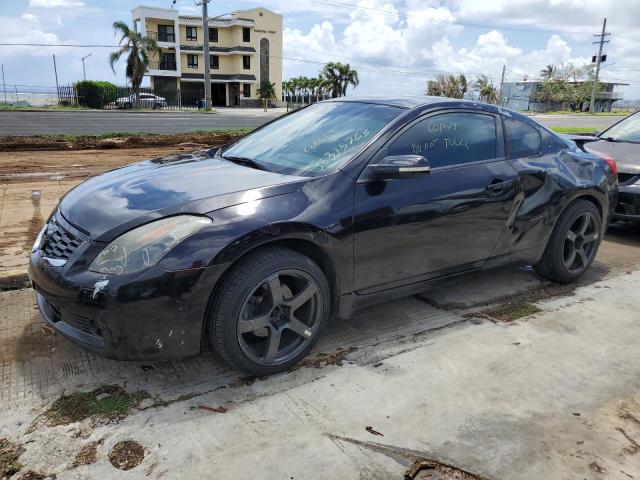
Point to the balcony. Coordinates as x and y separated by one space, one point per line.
163 65
162 37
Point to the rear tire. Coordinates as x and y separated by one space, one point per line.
573 244
269 311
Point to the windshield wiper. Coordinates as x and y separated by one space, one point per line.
247 162
619 140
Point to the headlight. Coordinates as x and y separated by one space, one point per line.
36 244
145 246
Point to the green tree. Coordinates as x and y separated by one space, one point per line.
139 49
548 72
267 90
338 77
486 89
448 86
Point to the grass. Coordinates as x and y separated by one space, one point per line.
9 455
105 135
114 402
613 112
43 108
509 312
575 130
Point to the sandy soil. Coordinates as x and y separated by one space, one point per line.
31 184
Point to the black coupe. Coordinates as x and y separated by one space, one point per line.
255 245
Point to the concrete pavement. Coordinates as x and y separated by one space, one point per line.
553 395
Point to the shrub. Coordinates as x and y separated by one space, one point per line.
95 94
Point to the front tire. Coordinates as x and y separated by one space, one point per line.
573 244
269 311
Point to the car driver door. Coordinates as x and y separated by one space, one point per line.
432 224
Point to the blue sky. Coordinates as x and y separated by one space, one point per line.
396 45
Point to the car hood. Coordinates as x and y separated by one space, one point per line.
108 205
626 155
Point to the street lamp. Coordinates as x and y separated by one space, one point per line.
84 72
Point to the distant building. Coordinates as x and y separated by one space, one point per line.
520 96
245 49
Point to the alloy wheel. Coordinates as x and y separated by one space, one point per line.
279 317
581 242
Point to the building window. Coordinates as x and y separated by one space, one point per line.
214 61
246 34
168 61
192 61
246 90
213 35
246 62
166 33
192 34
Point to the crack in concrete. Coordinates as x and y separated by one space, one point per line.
635 446
415 459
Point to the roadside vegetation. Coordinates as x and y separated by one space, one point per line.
333 81
9 456
116 140
108 401
574 130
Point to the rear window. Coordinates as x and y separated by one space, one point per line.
523 140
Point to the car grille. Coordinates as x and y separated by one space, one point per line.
628 178
58 242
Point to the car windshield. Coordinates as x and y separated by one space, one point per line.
628 130
314 141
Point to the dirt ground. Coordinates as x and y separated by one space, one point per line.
31 184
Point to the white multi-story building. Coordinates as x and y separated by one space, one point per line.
245 50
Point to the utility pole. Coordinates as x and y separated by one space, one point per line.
84 72
205 42
55 70
4 85
504 69
602 41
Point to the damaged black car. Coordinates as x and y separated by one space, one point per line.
252 247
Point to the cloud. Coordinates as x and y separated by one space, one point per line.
55 3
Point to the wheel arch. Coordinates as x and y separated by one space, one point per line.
306 247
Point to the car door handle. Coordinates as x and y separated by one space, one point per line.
499 186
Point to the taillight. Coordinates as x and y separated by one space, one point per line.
610 161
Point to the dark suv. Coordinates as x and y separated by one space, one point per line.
347 202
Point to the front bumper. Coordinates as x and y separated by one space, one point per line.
628 206
153 315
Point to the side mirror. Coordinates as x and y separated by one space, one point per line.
399 166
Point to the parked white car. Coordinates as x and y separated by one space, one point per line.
145 100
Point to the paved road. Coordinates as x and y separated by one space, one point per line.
96 122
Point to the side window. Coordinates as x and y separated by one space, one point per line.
523 140
449 139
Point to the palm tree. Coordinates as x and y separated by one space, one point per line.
287 89
338 77
448 86
548 72
349 77
267 91
139 49
485 88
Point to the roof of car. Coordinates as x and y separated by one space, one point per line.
416 101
